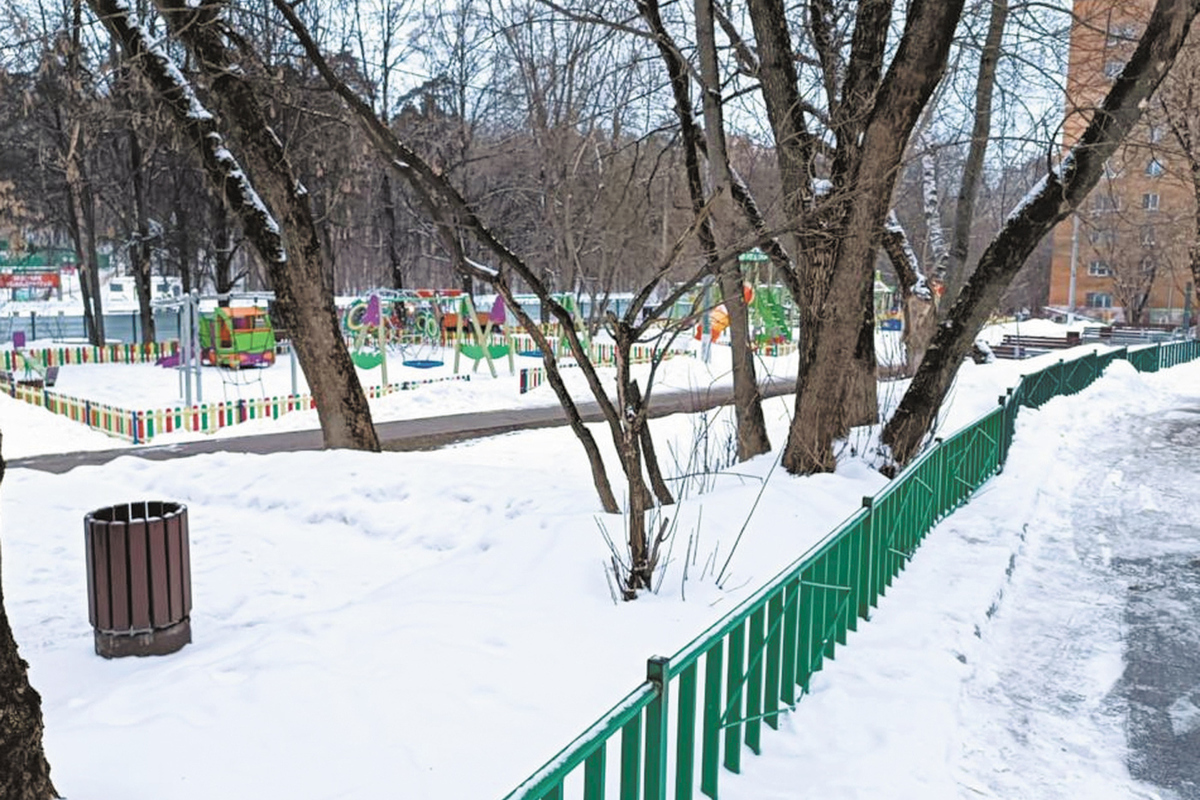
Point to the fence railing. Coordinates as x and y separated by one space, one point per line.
700 709
142 425
61 355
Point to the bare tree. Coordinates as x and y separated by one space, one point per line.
1179 108
972 175
871 105
751 427
628 414
304 300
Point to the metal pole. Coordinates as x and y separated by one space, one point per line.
1074 267
194 305
185 355
295 368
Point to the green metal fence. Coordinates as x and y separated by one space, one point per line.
701 708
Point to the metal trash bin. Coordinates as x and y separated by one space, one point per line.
139 578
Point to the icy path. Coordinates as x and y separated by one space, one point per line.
1045 641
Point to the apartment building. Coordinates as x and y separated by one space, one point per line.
1125 252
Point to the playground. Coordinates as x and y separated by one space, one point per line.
417 353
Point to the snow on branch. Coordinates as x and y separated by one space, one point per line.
904 259
173 90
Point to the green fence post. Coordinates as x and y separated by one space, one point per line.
756 656
865 552
774 646
656 730
710 757
593 774
631 758
685 740
791 618
868 593
734 683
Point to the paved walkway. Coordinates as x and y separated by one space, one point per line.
416 434
1147 502
1109 584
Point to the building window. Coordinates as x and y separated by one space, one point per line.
1110 171
1105 202
1102 237
1113 68
1122 34
1156 134
1148 237
1099 300
1099 269
1150 201
1154 168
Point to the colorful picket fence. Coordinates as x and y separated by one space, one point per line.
86 354
531 378
141 426
602 355
776 349
700 709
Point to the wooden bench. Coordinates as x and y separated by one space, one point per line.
1072 339
1017 351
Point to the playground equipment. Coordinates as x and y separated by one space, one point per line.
718 318
555 332
36 372
369 327
403 318
888 314
481 349
237 337
769 314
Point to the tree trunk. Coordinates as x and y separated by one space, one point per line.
1059 194
24 771
395 260
836 390
964 211
88 207
222 256
139 253
183 238
752 438
81 264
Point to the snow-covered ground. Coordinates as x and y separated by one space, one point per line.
437 624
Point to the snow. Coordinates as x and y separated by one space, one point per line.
438 624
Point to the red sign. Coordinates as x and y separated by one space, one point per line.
29 280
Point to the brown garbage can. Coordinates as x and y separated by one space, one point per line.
139 578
